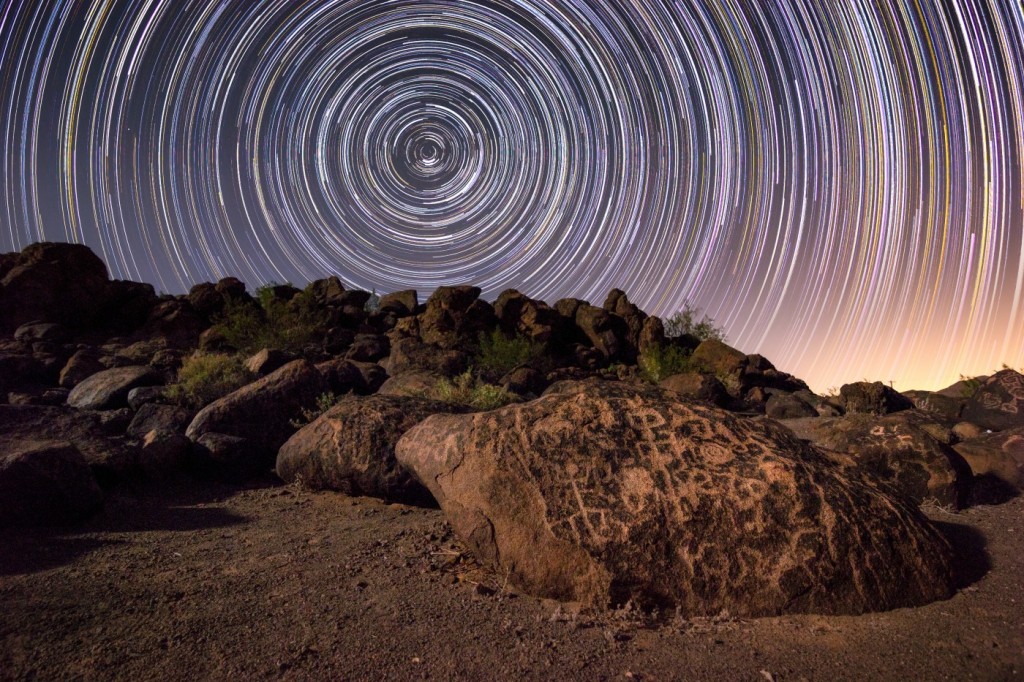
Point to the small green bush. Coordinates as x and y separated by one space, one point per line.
205 377
971 385
499 354
685 322
466 389
308 415
660 362
282 325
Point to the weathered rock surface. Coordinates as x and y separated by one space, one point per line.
109 389
351 448
895 449
619 492
697 386
998 404
262 412
999 454
788 406
45 483
873 398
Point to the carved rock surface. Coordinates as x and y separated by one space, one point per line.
612 492
899 448
108 390
998 404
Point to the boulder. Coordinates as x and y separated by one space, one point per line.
109 456
401 302
229 457
421 384
368 348
1000 455
262 412
351 448
164 453
945 408
873 398
451 317
144 395
153 416
606 331
409 354
326 292
603 491
267 361
696 386
897 449
108 390
998 404
719 358
64 283
342 376
520 315
41 331
45 482
788 406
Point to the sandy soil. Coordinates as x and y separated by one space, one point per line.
215 582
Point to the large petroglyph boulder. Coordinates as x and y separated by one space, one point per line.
605 492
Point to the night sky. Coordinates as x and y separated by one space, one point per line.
837 183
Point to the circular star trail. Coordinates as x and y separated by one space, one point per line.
837 183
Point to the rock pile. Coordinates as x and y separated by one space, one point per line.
729 485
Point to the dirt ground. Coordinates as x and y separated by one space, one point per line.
217 582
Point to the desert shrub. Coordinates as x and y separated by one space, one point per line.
499 354
685 321
205 377
372 304
971 385
308 415
466 389
282 325
660 362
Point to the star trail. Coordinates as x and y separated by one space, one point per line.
837 183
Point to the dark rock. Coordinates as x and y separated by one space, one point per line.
326 292
351 448
64 283
606 331
176 322
143 395
369 348
126 305
373 375
153 416
455 316
944 407
164 453
229 457
262 412
108 455
788 406
873 398
897 450
409 354
342 376
41 331
1000 455
401 302
267 361
45 483
520 315
998 404
108 390
610 492
696 386
421 384
524 381
720 358
652 335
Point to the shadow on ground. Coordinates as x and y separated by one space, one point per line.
184 507
971 560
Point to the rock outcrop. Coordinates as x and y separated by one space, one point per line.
45 483
351 448
998 403
608 492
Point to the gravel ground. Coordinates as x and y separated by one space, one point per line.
205 581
